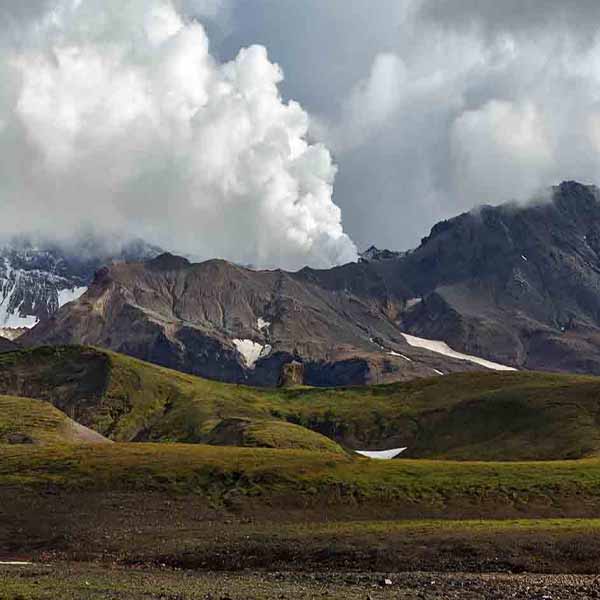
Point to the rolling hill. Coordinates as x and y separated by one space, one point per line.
206 508
266 479
467 416
26 421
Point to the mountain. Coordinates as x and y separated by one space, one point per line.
373 253
36 279
225 322
518 284
512 286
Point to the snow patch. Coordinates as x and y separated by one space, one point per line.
392 353
262 324
376 343
382 455
443 348
252 351
66 296
12 334
413 302
13 319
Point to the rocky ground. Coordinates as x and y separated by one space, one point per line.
98 582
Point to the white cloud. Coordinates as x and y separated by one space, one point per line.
431 107
372 101
468 107
500 151
120 116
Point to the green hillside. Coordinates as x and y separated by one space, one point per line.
299 476
26 421
470 416
227 508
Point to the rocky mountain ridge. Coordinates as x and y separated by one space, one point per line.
36 279
517 283
225 322
513 286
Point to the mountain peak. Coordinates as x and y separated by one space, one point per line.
574 197
168 262
375 254
575 186
37 277
514 284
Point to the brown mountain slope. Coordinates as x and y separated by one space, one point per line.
208 319
517 283
514 284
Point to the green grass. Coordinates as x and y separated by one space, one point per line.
198 469
437 526
279 434
484 416
23 420
103 582
277 483
259 433
228 508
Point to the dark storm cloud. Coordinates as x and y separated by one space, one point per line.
514 16
432 107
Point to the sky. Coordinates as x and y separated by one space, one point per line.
433 107
280 133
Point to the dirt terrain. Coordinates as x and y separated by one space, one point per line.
100 582
191 533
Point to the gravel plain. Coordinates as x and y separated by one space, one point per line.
110 582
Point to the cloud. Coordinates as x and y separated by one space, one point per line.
119 116
372 102
432 107
499 149
515 16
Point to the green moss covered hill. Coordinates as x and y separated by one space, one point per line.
26 421
471 416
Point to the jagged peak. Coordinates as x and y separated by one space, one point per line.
570 197
574 197
168 262
575 186
375 254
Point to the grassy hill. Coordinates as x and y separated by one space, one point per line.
26 421
290 494
183 468
197 506
472 416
